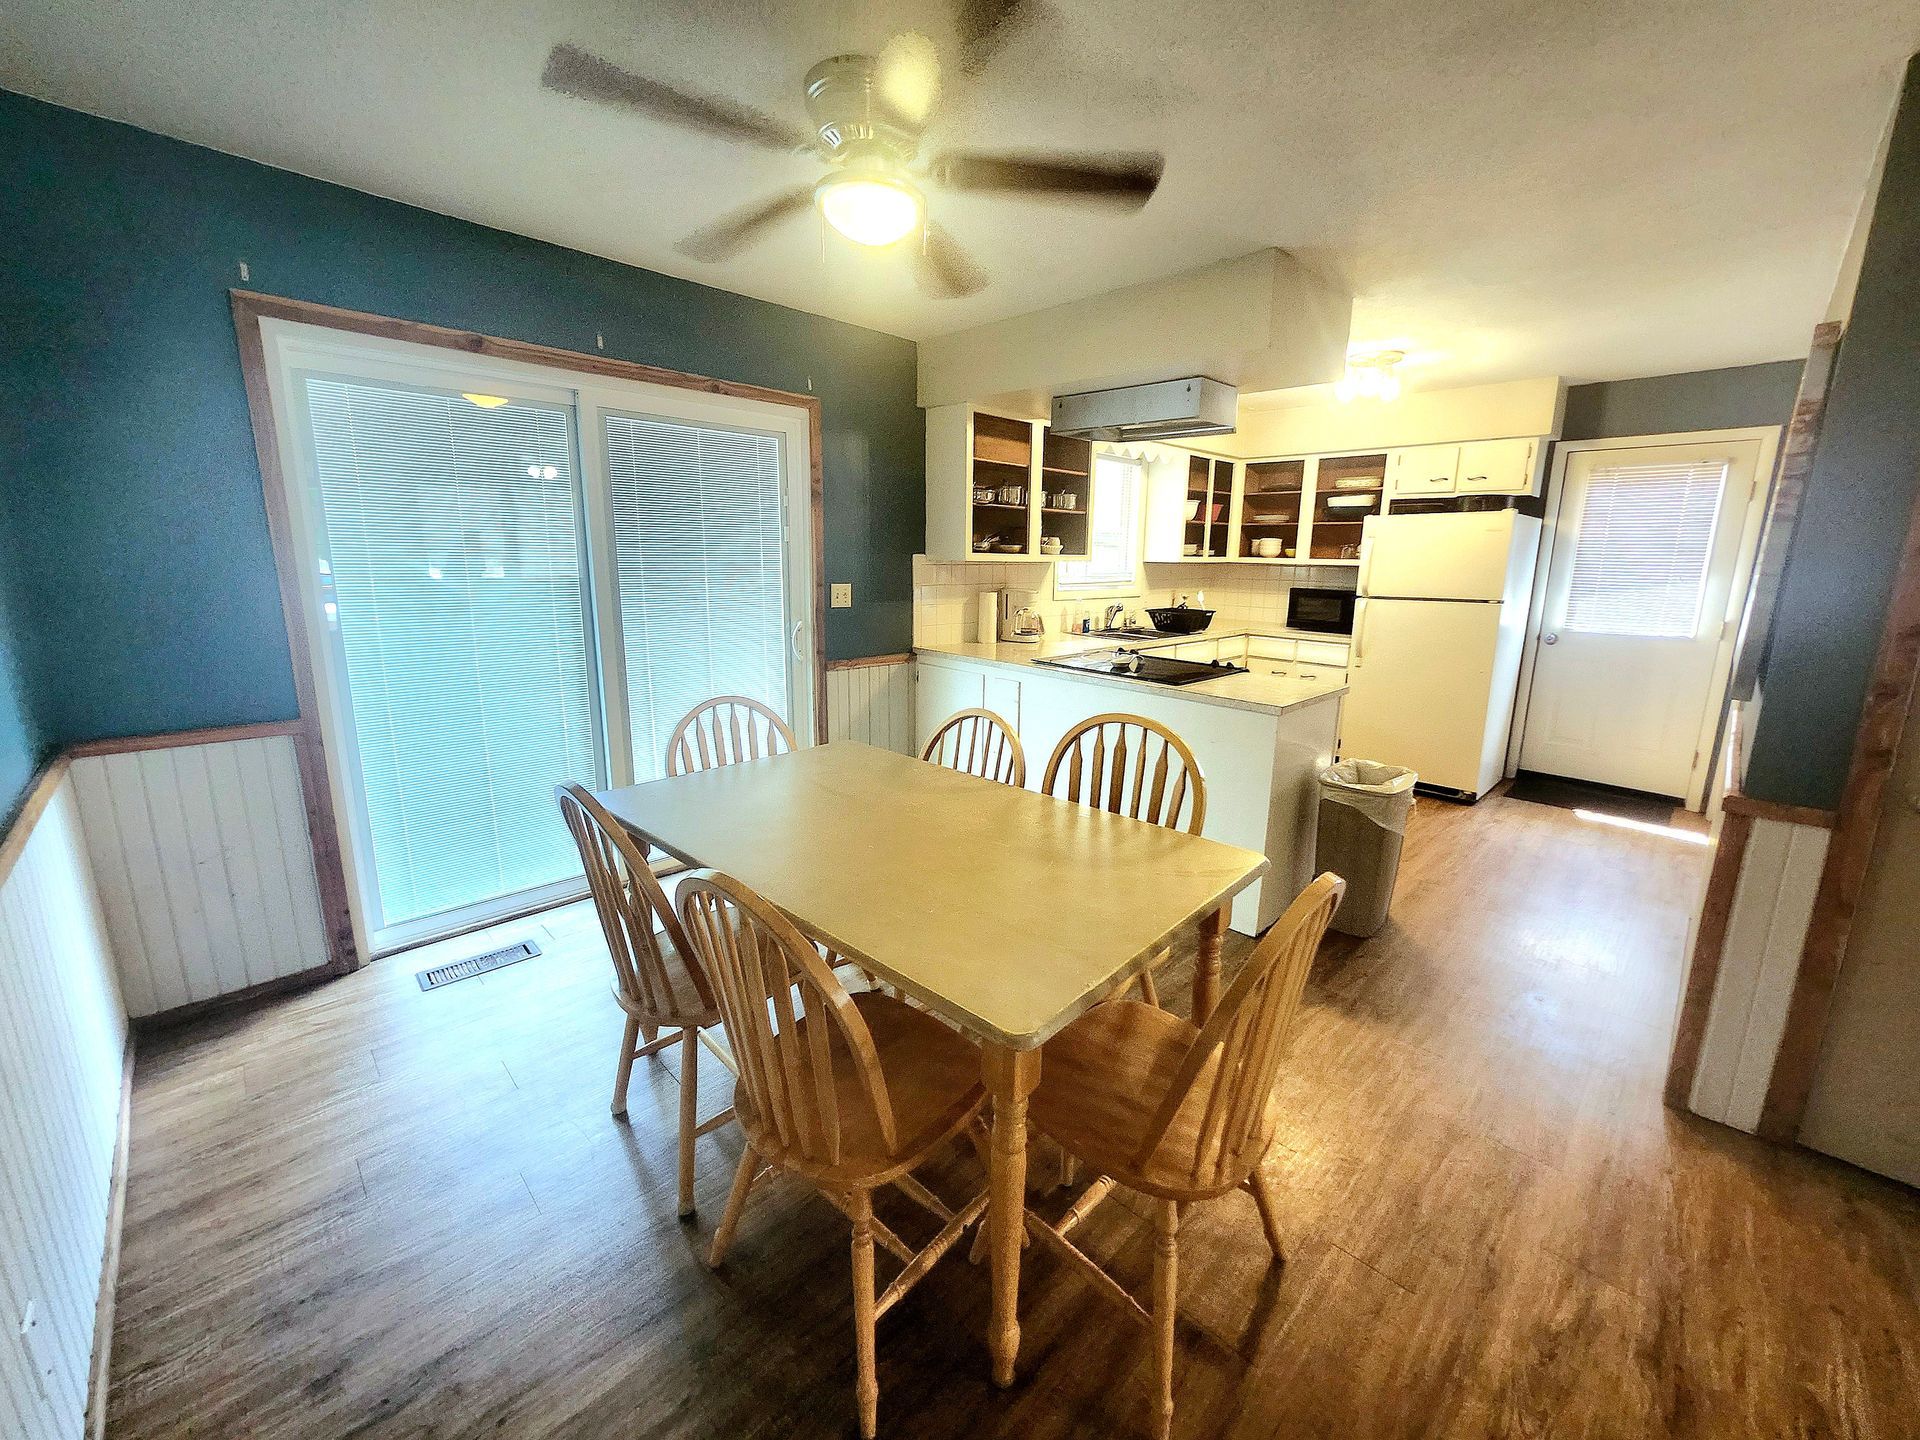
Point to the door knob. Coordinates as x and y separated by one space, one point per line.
1550 638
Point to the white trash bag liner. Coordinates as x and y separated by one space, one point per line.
1383 793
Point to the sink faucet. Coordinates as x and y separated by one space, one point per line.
1114 612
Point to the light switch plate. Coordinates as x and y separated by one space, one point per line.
841 597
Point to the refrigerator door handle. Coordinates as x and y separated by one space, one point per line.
1366 561
1359 631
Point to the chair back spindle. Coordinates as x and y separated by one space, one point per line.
770 980
1132 766
979 742
1248 1032
725 731
633 910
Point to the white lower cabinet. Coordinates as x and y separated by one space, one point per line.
943 692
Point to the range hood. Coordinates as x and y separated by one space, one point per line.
1165 410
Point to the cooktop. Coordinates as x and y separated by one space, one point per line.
1154 669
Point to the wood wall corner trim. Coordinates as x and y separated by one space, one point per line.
40 793
1709 948
1735 803
100 1371
1883 718
862 662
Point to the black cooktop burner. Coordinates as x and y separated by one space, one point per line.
1154 669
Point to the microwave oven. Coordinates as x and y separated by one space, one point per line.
1329 611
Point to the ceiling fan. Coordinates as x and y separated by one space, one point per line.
869 114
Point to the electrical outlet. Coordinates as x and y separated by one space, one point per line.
39 1347
842 597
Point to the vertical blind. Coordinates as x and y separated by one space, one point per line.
701 572
1645 542
453 552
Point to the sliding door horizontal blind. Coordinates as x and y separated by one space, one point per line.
1643 549
700 566
454 585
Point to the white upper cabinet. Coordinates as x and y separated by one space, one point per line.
1423 470
1499 467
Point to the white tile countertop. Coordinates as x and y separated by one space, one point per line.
1271 693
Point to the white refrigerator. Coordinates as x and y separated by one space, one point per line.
1438 631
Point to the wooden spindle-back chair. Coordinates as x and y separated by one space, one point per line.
655 980
724 731
979 742
1131 766
1146 1101
849 1092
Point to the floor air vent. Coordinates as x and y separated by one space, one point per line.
476 965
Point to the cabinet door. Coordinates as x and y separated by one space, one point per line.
1423 470
1002 696
943 691
1324 653
1271 647
1497 467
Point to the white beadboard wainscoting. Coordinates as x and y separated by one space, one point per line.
872 703
204 864
1765 930
63 1038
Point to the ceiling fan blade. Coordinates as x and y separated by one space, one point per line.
731 234
984 26
573 71
907 78
1124 180
943 270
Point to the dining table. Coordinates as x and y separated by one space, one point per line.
1003 912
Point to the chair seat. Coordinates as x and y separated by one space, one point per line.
1102 1082
685 1008
933 1077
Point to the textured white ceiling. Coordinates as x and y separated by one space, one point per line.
1589 189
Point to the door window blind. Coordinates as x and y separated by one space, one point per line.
453 537
701 572
1645 541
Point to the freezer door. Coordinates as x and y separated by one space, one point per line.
1442 557
1421 689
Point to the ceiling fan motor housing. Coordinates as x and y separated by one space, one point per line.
852 124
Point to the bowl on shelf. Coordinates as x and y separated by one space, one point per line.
1193 510
1351 502
1008 547
1267 548
1050 545
1357 482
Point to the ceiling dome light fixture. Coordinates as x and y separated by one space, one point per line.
1371 377
870 206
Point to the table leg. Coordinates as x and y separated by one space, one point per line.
1206 964
1010 1076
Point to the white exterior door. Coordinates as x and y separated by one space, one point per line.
1637 606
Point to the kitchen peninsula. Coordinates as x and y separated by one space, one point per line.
1260 738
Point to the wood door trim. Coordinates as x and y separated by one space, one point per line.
1709 947
250 308
1843 876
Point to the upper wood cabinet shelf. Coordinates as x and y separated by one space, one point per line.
1005 489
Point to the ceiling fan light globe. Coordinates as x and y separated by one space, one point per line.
869 209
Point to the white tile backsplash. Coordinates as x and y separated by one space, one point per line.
1245 596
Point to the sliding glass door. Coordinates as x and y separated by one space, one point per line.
516 583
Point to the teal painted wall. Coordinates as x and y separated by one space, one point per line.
20 737
1860 497
1728 399
149 600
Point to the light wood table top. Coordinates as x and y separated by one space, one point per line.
1004 911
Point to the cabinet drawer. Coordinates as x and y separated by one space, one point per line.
1331 674
1282 668
1423 470
1497 467
1204 650
1324 653
1269 647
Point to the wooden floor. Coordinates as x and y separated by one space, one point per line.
370 1211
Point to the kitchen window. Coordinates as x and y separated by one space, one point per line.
1113 564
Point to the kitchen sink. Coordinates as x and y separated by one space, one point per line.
1132 632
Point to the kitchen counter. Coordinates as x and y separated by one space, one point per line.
1260 740
1268 693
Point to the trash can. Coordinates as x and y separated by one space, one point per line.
1363 822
